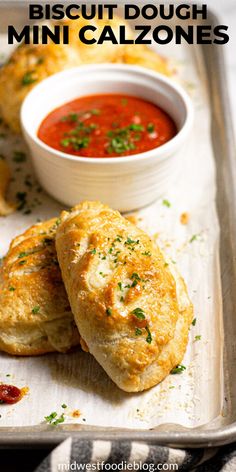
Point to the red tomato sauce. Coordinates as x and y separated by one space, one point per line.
10 394
109 125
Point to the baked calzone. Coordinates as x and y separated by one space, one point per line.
131 308
35 315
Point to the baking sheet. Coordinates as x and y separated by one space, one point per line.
76 379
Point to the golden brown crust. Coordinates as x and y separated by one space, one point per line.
111 268
30 64
35 315
27 66
6 208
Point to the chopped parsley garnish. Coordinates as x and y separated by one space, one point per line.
22 254
29 78
73 117
120 286
109 311
119 145
78 136
149 336
138 332
124 101
22 262
135 277
166 203
19 156
59 420
135 127
135 281
139 313
178 369
93 251
130 242
82 129
54 419
194 321
12 289
76 142
150 127
118 238
64 405
122 139
21 197
198 338
35 310
193 238
147 253
95 111
51 417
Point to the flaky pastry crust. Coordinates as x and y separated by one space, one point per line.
131 308
35 315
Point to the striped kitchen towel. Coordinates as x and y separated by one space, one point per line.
85 455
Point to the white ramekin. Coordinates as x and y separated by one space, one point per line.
124 183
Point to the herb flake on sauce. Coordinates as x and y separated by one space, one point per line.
86 126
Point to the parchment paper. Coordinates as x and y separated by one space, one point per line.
192 398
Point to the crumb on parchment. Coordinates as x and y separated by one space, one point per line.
184 218
76 413
24 391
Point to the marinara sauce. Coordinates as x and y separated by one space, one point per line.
10 394
108 125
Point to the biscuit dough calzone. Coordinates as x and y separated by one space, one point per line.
35 314
131 308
